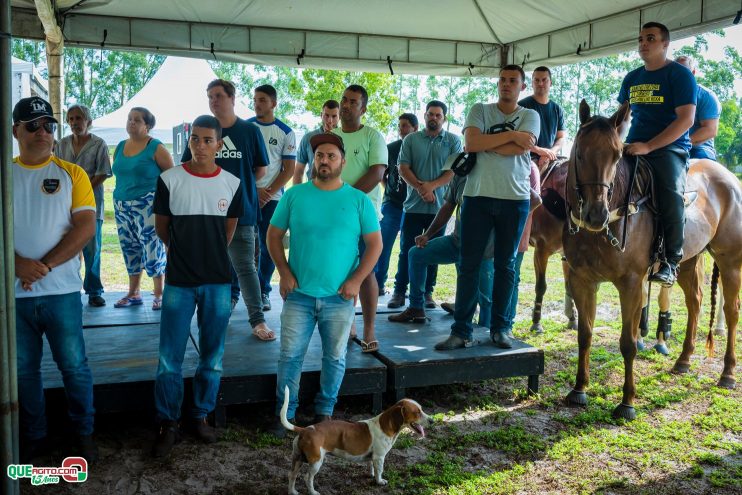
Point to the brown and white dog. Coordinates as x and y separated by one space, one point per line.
365 441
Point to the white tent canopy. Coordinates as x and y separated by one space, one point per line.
183 81
441 37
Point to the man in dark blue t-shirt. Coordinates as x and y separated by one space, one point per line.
662 94
706 122
551 137
243 155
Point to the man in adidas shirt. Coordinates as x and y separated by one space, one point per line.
243 155
53 219
366 160
280 142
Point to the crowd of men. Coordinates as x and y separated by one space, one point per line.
224 215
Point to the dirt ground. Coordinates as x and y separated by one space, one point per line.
246 461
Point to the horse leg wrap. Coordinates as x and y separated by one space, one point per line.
664 324
644 321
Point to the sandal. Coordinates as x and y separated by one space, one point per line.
127 301
262 332
157 304
367 347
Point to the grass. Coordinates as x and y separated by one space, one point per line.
489 438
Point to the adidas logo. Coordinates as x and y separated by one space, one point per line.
228 150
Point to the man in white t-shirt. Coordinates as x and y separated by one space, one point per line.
280 143
53 219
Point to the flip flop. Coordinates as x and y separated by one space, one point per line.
157 304
262 332
367 347
125 302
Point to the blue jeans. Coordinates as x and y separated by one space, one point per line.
413 225
513 307
242 255
390 224
479 217
266 266
91 254
444 251
60 318
178 306
333 316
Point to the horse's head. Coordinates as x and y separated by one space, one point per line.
595 154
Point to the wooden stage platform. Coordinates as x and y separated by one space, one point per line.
122 349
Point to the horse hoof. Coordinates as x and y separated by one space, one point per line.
727 382
537 328
572 325
680 368
623 411
575 398
662 349
640 346
720 332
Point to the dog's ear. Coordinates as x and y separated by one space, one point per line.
392 419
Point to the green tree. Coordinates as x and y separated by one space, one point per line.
100 79
728 141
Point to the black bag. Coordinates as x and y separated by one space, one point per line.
463 163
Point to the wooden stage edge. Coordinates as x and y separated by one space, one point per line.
123 359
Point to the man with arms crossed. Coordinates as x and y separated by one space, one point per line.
496 198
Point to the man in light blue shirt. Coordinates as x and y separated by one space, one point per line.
421 161
706 121
322 278
304 155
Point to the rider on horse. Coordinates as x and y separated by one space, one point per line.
662 95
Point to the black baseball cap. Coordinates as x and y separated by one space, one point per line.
327 138
33 108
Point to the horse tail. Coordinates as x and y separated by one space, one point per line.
714 285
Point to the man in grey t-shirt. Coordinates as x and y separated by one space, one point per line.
496 198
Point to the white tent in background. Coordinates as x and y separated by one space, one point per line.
175 94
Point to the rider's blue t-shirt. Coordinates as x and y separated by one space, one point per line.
707 108
654 96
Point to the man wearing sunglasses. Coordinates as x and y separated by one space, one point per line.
54 218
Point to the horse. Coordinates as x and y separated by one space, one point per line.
546 237
598 181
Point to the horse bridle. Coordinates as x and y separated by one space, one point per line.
574 227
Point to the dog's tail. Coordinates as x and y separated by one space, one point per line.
284 409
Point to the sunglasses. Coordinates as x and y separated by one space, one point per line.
35 125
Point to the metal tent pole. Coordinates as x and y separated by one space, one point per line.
8 371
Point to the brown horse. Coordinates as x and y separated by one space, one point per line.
597 184
546 237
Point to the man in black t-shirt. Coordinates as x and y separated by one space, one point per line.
196 208
395 192
551 137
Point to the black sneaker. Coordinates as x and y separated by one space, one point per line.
266 302
86 448
503 340
167 437
96 301
203 430
666 274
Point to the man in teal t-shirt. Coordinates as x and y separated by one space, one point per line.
322 277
